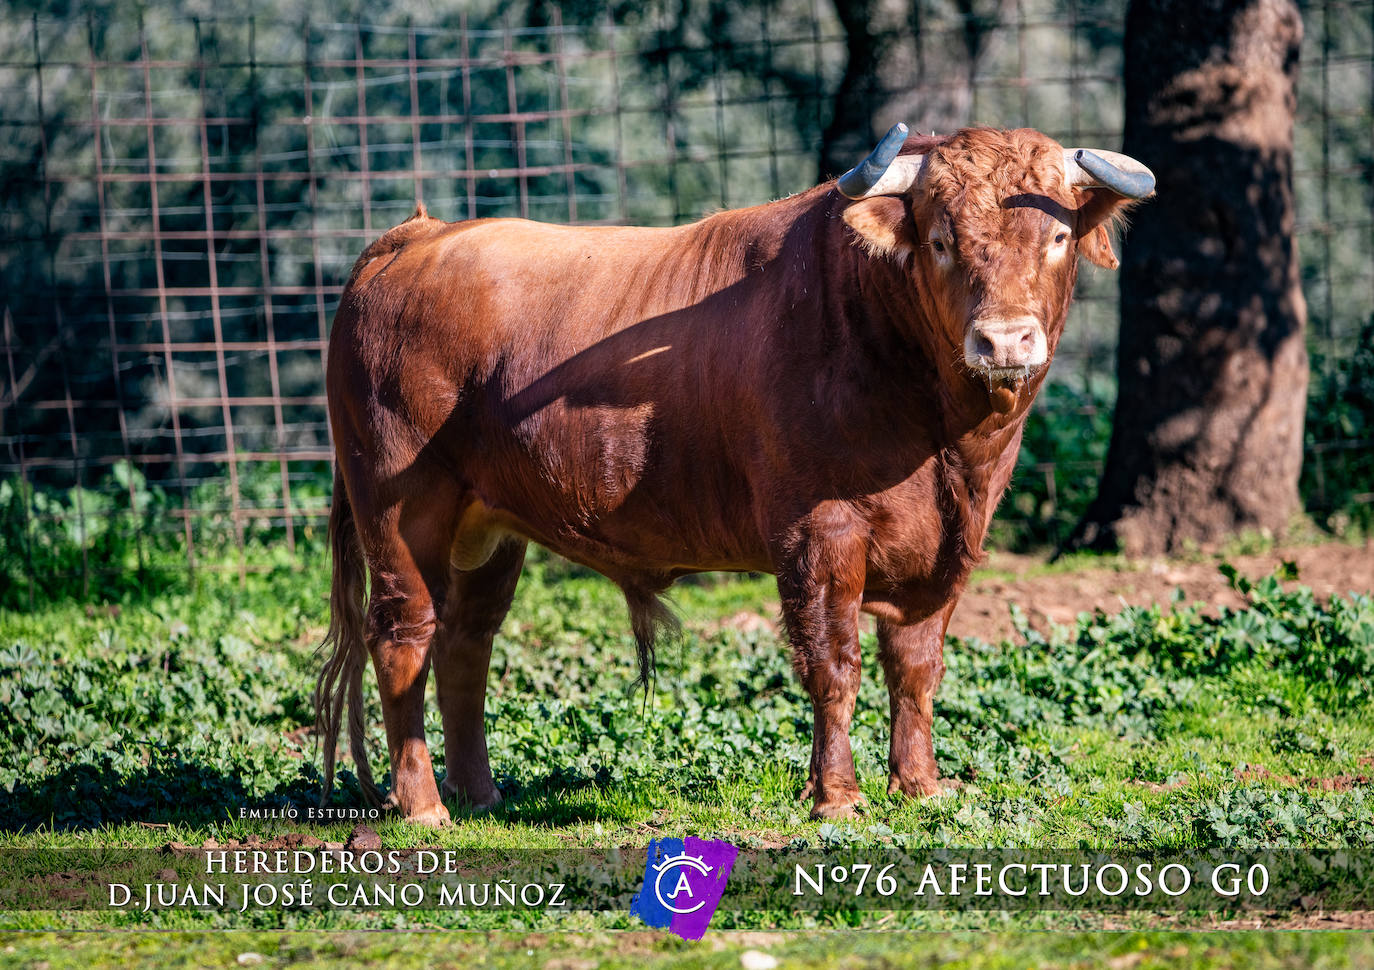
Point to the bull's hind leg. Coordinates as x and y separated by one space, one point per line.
477 602
407 556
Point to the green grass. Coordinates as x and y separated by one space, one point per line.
184 708
927 951
1160 729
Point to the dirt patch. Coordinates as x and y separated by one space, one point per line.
363 839
983 612
1318 919
69 887
1047 597
1258 774
1313 782
1158 787
290 840
747 621
1340 782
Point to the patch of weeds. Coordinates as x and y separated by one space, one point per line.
1162 726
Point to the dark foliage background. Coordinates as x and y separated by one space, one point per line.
184 193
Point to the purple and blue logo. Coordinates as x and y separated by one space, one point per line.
683 882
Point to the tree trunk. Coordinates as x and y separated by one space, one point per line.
1212 361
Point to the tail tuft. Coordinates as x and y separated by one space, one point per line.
650 620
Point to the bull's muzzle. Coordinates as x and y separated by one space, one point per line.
1004 349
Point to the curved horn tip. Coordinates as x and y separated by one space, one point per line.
1130 184
889 145
858 180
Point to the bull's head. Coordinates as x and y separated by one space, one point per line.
990 225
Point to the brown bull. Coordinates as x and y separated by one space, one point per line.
830 388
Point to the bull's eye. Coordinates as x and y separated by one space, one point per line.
942 249
1060 238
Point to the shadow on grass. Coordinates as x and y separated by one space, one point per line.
560 798
172 790
166 790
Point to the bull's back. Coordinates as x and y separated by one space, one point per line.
498 284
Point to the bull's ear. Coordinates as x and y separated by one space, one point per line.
883 224
1099 212
1096 247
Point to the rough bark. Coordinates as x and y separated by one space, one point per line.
1212 361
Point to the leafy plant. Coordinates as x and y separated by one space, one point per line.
1338 474
1126 729
83 543
1062 451
116 541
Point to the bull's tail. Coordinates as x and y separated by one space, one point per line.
651 621
340 685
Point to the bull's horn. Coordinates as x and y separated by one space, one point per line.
1110 170
882 172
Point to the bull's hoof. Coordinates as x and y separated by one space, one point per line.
918 787
846 805
434 817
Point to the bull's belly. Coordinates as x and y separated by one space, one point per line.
626 547
650 561
682 517
642 557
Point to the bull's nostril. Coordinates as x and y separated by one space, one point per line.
1028 339
983 345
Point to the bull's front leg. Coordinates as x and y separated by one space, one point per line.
913 659
821 591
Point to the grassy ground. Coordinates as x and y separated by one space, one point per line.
158 719
724 951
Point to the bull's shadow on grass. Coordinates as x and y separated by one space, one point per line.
560 797
172 790
168 789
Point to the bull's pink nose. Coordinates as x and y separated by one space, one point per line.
1006 343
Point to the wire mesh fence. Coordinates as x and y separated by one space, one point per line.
183 199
